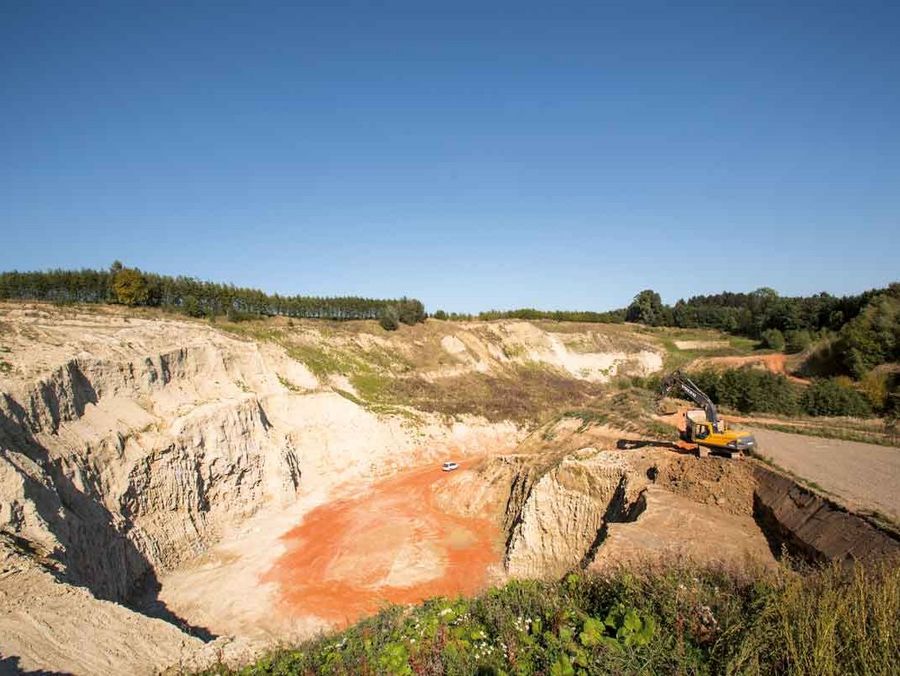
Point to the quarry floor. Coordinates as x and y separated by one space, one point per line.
391 544
334 559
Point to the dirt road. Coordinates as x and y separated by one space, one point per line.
864 476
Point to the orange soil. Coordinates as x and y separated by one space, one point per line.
776 363
391 544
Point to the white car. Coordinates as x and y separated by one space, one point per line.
449 466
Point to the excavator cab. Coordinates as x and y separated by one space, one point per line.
703 426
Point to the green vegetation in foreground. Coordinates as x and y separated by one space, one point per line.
832 620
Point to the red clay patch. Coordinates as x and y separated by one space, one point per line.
776 363
390 544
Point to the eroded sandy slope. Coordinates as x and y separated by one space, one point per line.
183 453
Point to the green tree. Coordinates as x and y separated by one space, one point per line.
773 339
410 311
873 337
646 308
191 307
440 314
797 340
390 318
835 396
130 287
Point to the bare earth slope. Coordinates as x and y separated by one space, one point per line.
174 491
182 451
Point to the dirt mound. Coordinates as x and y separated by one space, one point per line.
720 482
675 528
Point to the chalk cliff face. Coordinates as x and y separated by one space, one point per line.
129 446
561 517
139 460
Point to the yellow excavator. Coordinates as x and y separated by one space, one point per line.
703 426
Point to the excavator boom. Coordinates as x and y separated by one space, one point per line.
694 393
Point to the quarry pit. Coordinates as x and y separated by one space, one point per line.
175 492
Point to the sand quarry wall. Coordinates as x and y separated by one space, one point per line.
129 446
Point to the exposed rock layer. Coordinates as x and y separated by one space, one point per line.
813 526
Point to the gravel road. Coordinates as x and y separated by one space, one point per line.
863 476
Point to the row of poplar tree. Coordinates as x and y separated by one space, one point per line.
133 287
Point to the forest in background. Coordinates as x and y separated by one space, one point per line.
848 335
196 298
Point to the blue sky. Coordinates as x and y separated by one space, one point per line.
475 155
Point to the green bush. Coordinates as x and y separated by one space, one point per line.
389 318
410 311
191 307
797 341
833 620
773 339
750 390
835 396
440 314
873 337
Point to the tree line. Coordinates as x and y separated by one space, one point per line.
751 314
611 317
194 297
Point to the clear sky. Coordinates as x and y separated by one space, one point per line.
475 155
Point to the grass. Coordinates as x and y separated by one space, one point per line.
288 385
833 620
526 394
677 358
885 438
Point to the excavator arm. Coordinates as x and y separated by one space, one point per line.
678 380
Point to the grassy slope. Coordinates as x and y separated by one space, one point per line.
387 371
683 620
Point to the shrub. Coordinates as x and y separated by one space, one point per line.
750 390
873 337
234 315
389 318
833 620
410 311
440 314
191 307
835 396
797 341
875 385
773 339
